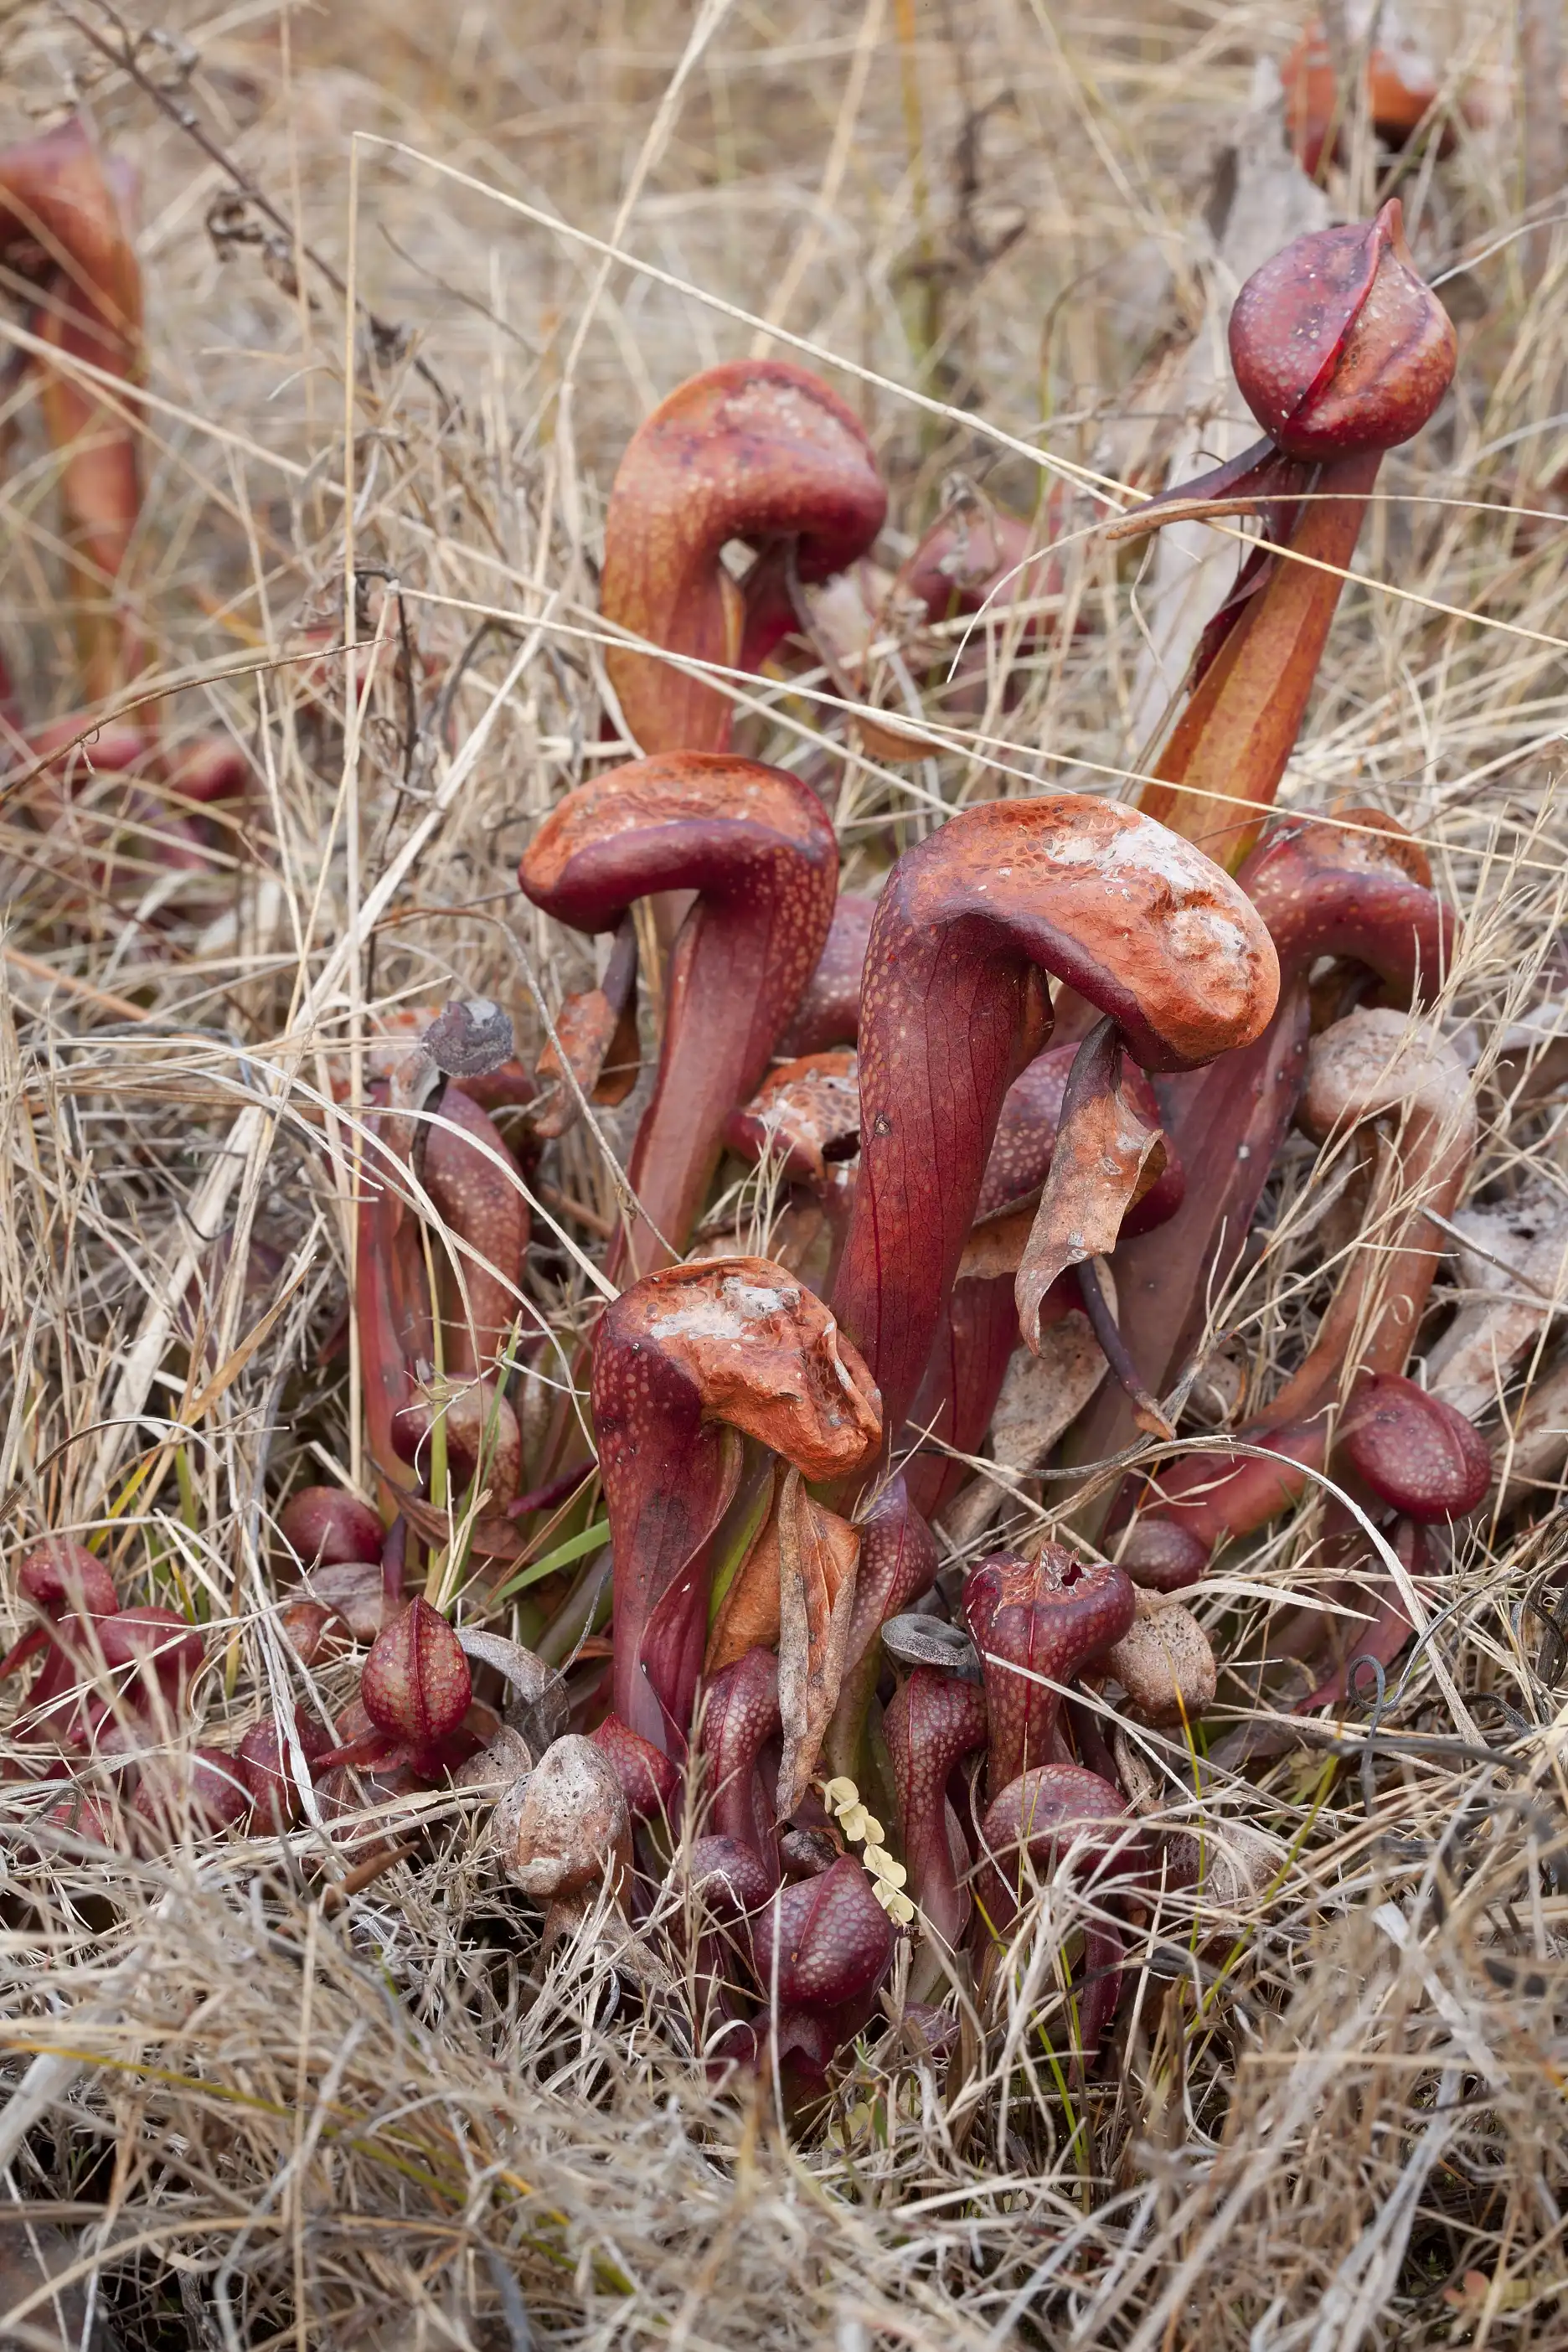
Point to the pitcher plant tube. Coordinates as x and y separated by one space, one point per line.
755 845
687 1362
1359 891
1138 921
757 451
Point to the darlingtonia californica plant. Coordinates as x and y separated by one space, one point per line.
755 451
1404 1098
1412 1457
1341 351
755 846
955 1004
64 211
65 227
110 1671
1357 890
828 1012
427 1128
1037 1624
933 1723
111 1696
687 1362
1402 87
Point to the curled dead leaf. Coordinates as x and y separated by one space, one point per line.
1106 1156
1516 1258
817 1553
1041 1395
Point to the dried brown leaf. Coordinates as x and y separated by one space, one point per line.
817 1554
1106 1156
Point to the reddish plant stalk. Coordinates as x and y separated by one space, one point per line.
828 1012
1360 889
934 1722
63 203
684 1363
1037 1624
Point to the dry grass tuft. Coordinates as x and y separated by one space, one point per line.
1334 2117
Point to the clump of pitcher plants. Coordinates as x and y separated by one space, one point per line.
1017 1111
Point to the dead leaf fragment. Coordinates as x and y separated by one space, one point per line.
1041 1396
1106 1157
818 1555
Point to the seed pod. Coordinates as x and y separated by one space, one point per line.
1164 1664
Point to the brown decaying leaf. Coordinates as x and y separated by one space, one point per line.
1041 1396
749 1617
1105 1157
817 1554
1513 1262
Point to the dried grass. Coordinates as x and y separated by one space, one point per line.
1335 2117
